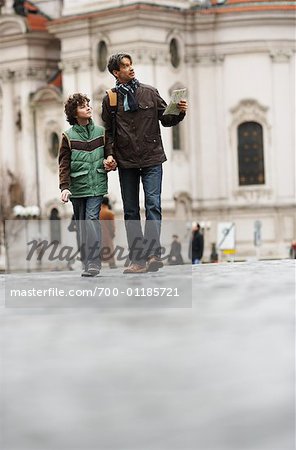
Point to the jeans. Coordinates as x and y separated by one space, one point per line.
86 213
142 245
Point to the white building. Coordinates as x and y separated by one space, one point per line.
233 157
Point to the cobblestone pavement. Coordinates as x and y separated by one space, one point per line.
211 372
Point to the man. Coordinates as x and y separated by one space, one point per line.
83 178
175 256
196 246
136 146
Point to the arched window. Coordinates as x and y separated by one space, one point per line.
54 144
102 56
175 53
55 225
250 154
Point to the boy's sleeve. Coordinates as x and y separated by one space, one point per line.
107 119
64 164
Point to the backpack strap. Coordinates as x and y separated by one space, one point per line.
112 98
113 104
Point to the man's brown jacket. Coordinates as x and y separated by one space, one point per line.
137 140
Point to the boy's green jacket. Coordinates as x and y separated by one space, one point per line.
87 176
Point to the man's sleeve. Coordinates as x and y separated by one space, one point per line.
64 164
169 120
107 119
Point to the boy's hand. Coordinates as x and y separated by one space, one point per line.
65 195
110 163
182 105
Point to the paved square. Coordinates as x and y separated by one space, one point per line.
215 376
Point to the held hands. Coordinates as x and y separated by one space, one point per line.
182 105
65 195
110 163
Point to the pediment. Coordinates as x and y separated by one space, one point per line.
12 26
46 94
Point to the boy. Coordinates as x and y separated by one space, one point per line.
83 178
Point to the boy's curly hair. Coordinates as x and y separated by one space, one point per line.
71 106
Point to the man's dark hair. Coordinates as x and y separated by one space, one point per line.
115 60
71 106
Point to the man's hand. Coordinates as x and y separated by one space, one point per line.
182 105
110 163
65 195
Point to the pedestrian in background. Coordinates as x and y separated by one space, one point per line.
214 255
83 178
107 218
196 246
133 139
293 250
175 256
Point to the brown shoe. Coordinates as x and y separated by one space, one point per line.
135 268
154 264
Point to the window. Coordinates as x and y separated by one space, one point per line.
54 144
102 56
176 137
250 154
175 53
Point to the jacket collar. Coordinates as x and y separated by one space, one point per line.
87 131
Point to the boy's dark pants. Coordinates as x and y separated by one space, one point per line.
86 213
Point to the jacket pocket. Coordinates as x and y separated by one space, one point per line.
100 180
79 182
122 144
123 140
147 108
79 174
151 142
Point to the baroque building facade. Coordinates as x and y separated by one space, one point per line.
231 160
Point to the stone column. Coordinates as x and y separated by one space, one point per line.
283 135
283 124
8 120
8 7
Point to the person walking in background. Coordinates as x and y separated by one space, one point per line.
292 251
214 255
107 218
83 178
133 140
196 246
175 256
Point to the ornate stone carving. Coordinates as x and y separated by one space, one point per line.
253 195
76 64
157 56
7 75
24 73
281 56
209 59
249 109
206 59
